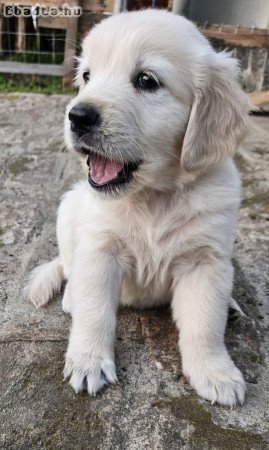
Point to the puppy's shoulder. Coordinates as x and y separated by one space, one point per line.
217 189
226 175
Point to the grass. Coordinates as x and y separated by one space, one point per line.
33 56
33 83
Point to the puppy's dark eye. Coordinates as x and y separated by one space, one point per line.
86 76
147 81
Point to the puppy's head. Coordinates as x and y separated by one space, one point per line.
155 102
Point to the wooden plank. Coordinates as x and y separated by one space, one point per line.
54 22
50 3
259 98
237 36
31 68
143 4
232 29
97 6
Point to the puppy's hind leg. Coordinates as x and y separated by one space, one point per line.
44 281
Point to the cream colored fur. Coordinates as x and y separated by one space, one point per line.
170 236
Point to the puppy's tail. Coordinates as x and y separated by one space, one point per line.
235 310
44 281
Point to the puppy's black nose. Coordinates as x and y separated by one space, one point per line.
83 117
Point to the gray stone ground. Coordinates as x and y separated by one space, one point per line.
152 406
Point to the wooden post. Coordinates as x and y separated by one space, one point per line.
20 38
177 6
1 29
259 98
70 51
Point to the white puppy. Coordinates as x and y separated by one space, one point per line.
157 118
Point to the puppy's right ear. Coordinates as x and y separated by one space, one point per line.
218 117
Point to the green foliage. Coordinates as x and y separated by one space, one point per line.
33 83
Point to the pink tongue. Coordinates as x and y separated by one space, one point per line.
103 170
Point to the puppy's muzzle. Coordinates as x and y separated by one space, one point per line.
106 174
84 118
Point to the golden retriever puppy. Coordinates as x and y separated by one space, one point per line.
155 123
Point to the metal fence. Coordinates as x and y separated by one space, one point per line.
47 46
38 46
29 44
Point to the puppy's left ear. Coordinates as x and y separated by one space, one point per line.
218 117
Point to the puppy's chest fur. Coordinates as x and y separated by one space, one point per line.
149 236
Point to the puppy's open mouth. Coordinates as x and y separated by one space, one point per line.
106 175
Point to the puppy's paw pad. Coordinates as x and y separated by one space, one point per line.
91 374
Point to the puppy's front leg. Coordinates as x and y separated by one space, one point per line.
200 307
95 287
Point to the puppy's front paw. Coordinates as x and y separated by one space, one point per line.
89 372
218 380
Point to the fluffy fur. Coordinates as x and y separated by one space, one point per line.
169 235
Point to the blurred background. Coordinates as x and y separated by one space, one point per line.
37 53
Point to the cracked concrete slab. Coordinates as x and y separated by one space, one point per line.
152 406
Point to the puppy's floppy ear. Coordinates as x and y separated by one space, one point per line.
218 117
